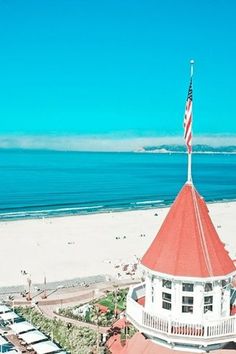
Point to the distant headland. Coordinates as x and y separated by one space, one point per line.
181 149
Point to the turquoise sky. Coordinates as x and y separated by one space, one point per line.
116 66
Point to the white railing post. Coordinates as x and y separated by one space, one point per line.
169 326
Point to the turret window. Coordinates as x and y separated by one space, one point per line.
166 296
152 293
166 284
187 302
187 309
208 303
208 300
187 287
208 287
166 303
224 283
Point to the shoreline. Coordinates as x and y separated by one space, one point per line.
79 246
159 205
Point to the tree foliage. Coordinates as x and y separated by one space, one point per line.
73 339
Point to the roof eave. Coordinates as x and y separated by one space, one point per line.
187 277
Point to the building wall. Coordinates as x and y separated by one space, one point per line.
211 304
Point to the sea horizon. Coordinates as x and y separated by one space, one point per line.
45 183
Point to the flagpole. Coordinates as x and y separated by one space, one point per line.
190 153
189 168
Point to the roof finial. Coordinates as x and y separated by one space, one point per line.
191 67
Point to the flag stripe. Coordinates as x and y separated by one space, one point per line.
188 119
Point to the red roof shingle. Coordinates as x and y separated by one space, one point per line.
138 344
187 243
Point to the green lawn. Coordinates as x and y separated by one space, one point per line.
111 300
118 297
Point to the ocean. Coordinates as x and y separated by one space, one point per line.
36 184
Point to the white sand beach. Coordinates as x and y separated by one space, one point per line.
76 246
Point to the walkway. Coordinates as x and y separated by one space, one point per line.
49 307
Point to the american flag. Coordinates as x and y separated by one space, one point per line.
188 119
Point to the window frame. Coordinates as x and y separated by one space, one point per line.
208 287
153 293
166 301
208 305
189 308
190 287
184 302
166 283
166 298
168 304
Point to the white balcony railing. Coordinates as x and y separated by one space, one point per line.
207 332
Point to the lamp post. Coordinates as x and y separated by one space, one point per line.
115 309
29 288
45 285
97 318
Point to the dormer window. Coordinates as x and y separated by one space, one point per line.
187 287
166 284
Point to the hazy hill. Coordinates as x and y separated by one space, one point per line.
161 149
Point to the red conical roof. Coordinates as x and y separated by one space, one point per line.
187 243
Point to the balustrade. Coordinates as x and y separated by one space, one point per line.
154 324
